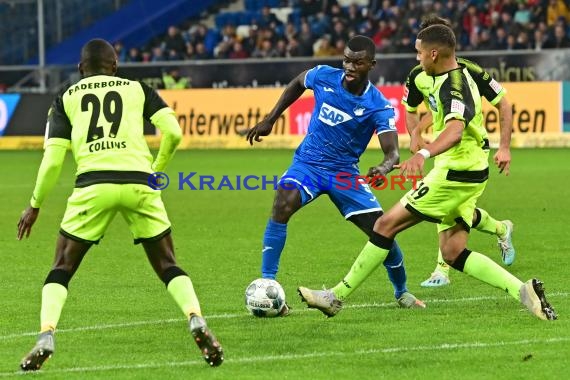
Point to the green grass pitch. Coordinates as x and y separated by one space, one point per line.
120 323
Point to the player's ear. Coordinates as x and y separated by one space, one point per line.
372 64
114 67
80 68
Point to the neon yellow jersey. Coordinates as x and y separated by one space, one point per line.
102 117
452 95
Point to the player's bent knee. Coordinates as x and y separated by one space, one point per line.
457 262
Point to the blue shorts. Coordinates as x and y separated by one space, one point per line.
346 189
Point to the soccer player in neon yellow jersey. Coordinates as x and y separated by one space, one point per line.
417 84
448 194
101 118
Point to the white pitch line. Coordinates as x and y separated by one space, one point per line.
244 314
310 355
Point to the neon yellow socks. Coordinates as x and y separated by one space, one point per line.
441 266
483 268
490 225
367 261
53 299
182 290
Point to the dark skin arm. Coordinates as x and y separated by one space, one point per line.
292 92
503 156
389 145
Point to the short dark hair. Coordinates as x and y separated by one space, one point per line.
360 43
434 19
98 54
438 35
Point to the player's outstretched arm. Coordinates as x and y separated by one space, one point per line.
165 120
292 92
503 156
48 174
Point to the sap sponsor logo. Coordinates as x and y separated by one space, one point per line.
457 107
8 103
332 116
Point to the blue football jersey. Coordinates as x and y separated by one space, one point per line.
342 124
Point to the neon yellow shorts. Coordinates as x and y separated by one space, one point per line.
90 210
439 200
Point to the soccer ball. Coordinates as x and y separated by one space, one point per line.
264 298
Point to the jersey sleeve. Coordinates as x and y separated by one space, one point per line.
412 96
486 84
152 101
312 75
48 174
385 120
456 98
58 127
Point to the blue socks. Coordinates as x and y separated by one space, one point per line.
394 264
273 243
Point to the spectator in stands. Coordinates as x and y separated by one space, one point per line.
134 55
290 31
354 18
306 39
339 32
485 41
238 52
324 47
555 10
337 14
120 51
500 39
174 41
383 33
146 56
158 54
250 42
559 39
522 15
281 48
339 47
265 50
190 52
539 39
523 41
267 18
201 52
293 47
309 8
198 34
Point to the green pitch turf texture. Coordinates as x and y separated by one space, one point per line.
120 323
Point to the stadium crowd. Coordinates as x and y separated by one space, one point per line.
320 28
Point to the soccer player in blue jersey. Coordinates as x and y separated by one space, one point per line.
101 119
348 111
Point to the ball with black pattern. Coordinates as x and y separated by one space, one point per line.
264 298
